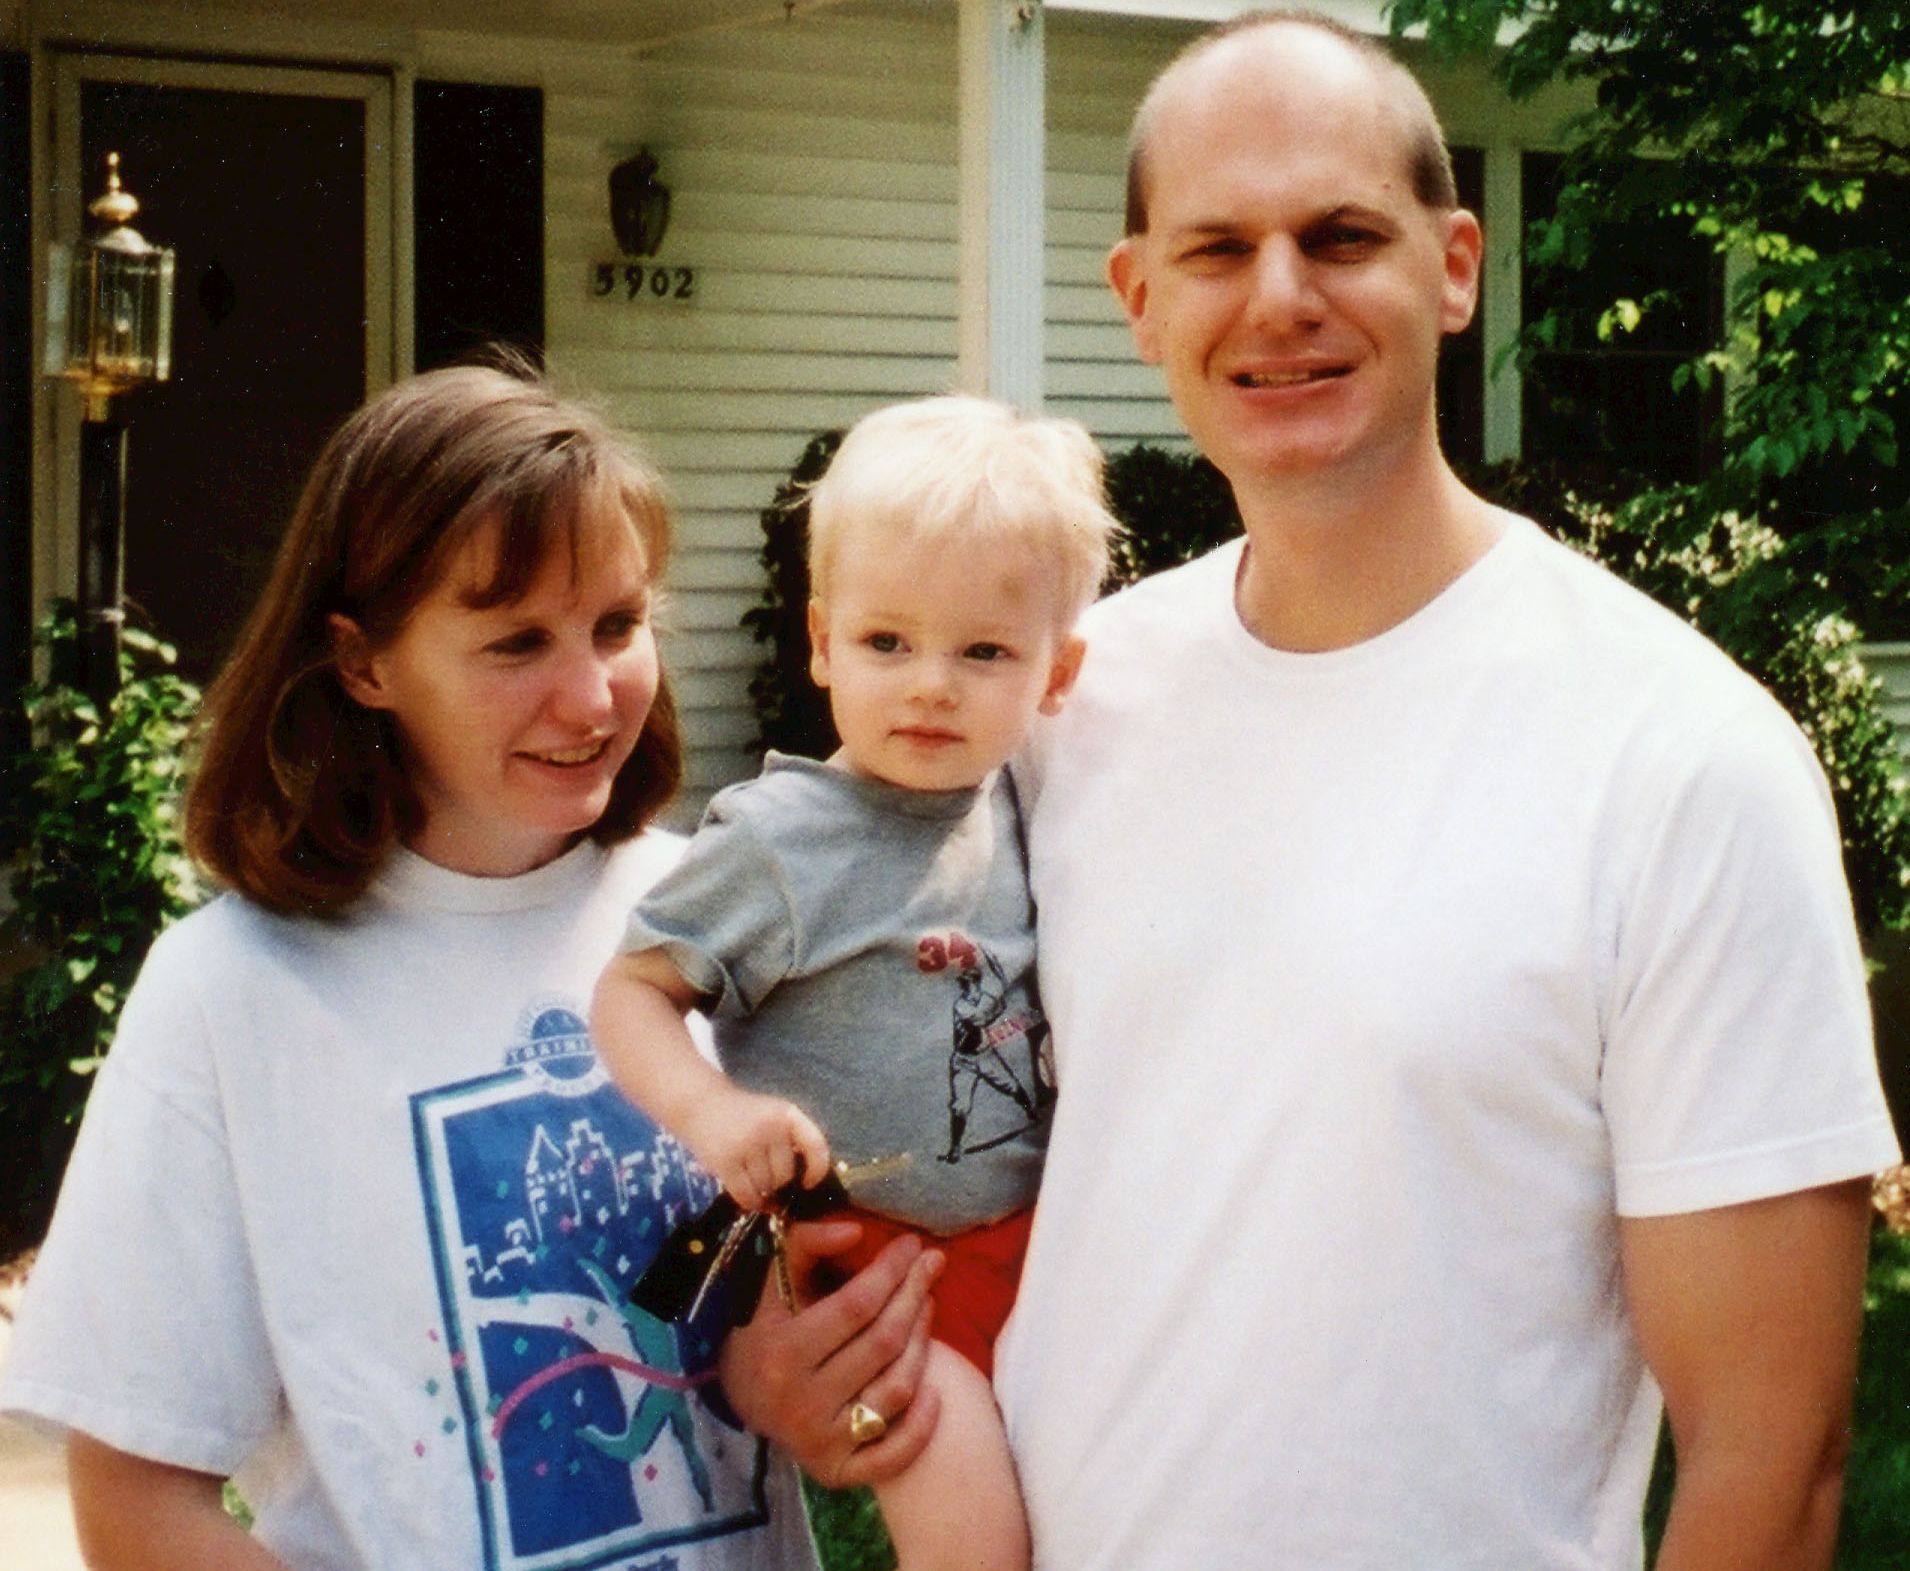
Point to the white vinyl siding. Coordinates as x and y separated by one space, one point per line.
813 173
1096 75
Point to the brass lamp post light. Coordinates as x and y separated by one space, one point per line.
109 329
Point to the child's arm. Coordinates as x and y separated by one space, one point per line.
749 1142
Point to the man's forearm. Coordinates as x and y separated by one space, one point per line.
1742 1511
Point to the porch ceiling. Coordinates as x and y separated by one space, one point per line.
641 24
614 23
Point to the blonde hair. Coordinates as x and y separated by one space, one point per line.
956 466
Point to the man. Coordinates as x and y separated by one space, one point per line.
1460 1029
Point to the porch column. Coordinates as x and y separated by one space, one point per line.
1003 195
1504 219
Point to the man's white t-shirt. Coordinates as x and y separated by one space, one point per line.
354 1214
1383 982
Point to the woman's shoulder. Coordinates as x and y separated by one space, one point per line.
633 865
232 940
225 930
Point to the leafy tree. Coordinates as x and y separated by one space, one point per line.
1778 134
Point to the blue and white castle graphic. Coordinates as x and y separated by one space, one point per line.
551 1194
607 1170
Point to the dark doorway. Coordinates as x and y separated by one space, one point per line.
262 196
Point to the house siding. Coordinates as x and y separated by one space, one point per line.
813 173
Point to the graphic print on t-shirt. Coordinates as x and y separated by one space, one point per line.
1000 1069
582 1418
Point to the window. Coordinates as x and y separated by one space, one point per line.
1610 402
1462 359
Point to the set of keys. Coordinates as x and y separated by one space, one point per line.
725 1243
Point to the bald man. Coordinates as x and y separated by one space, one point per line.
1460 1025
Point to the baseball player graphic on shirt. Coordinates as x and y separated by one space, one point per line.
984 1032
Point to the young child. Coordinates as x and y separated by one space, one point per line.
861 930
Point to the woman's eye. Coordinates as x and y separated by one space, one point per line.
620 626
524 642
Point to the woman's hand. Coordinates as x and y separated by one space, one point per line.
794 1375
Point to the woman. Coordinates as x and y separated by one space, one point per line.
354 1212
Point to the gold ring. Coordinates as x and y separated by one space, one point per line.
866 1425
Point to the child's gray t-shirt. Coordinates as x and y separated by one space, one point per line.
868 952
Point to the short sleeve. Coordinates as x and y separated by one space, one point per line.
1738 1059
141 1325
723 915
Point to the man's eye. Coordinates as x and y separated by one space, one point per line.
1215 251
985 652
1342 241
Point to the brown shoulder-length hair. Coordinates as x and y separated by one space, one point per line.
300 793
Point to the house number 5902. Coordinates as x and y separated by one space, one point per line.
636 281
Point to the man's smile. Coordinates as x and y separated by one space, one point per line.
1288 378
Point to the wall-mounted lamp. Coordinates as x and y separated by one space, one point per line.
108 329
639 204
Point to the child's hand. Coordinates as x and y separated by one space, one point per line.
750 1144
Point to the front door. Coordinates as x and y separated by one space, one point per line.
272 188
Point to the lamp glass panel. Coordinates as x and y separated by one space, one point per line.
128 310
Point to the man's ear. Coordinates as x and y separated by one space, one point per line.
356 665
1465 256
819 643
1062 674
1127 277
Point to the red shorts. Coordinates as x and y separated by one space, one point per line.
976 1288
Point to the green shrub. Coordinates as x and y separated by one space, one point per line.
1875 1534
792 713
848 1526
1172 506
89 827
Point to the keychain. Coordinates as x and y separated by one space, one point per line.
727 1242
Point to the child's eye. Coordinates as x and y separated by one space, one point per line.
883 643
987 652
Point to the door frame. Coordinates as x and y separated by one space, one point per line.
59 210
